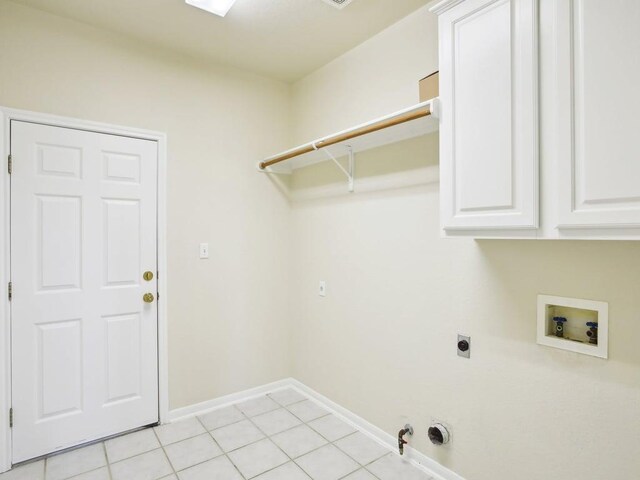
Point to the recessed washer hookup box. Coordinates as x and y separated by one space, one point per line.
573 324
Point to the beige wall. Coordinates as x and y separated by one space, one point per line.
228 315
383 341
364 83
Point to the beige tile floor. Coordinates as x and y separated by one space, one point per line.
280 436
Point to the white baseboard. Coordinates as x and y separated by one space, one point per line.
419 460
220 402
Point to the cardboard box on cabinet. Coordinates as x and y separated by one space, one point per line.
429 87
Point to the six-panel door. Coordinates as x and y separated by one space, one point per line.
489 115
83 232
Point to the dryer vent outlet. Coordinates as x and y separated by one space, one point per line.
339 4
438 434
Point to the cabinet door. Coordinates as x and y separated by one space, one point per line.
598 89
489 126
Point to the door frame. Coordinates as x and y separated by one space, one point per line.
6 115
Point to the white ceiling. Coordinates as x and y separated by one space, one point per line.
284 39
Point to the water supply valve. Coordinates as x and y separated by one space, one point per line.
407 430
560 321
592 333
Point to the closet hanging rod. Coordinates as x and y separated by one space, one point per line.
424 110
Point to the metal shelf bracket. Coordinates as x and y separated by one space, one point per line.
350 170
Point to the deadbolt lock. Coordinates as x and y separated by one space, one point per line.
148 297
148 276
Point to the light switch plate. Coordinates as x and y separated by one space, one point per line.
322 288
204 251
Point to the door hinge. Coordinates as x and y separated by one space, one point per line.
10 290
10 165
11 417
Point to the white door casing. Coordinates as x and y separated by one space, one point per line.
598 73
489 114
83 231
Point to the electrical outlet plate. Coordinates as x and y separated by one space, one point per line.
463 353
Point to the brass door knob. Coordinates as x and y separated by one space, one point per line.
148 297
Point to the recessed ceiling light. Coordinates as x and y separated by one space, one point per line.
339 4
218 7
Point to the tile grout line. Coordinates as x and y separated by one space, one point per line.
164 452
225 454
248 418
329 442
364 466
220 447
390 451
333 443
268 437
132 456
306 423
245 418
81 473
106 456
265 437
107 464
357 430
207 432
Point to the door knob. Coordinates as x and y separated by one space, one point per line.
148 297
148 276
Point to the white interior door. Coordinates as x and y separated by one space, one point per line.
83 232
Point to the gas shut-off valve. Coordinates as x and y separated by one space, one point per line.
407 430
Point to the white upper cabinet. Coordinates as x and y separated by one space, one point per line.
489 123
579 172
597 148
